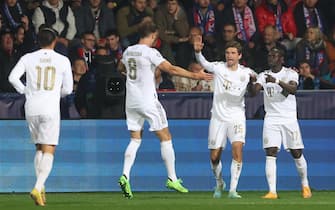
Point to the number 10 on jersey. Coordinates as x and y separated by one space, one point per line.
46 77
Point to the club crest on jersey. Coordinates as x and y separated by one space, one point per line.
242 78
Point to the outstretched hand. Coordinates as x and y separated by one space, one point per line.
205 76
197 43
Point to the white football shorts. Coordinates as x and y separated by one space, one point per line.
219 131
44 129
287 134
153 113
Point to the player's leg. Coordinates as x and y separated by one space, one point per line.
271 172
293 142
216 167
156 116
217 140
235 168
129 159
131 151
236 135
45 167
301 165
37 161
271 143
168 156
33 126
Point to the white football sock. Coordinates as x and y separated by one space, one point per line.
271 173
235 172
37 161
45 169
130 155
301 165
168 157
217 171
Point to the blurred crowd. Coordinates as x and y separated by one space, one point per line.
98 31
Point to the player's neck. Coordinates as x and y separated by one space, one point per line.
233 67
48 48
145 41
276 69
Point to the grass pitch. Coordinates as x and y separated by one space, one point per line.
289 200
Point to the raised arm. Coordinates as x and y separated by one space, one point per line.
198 45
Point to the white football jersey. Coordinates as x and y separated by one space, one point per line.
48 76
279 108
229 89
141 62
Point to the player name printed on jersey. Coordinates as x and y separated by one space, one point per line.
133 53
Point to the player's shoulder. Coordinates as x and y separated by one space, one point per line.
246 69
288 70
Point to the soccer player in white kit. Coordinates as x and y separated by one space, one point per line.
142 104
48 77
228 113
280 122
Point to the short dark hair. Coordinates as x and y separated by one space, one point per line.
234 44
46 36
146 29
278 51
112 32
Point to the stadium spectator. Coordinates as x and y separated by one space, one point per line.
202 15
8 59
278 14
229 34
312 49
95 17
330 51
114 46
186 56
58 16
130 18
270 40
85 49
292 3
306 15
306 78
228 113
173 27
14 14
280 122
24 41
79 68
240 14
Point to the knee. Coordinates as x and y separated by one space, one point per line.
271 151
215 159
296 153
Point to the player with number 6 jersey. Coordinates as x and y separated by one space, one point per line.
141 62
